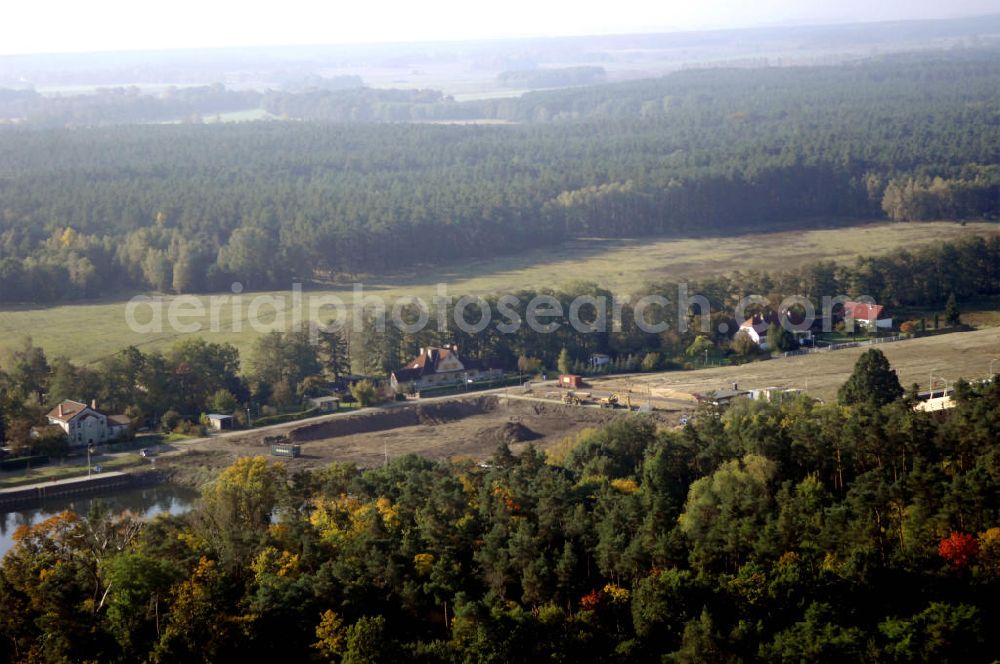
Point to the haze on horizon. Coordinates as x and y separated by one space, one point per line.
67 26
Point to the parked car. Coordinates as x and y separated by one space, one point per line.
146 452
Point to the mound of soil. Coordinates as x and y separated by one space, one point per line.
396 416
508 432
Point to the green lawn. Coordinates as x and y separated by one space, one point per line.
69 468
88 332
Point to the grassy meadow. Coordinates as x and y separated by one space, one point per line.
88 332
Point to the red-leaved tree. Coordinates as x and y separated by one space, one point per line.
959 548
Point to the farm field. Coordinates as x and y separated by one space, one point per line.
88 332
948 357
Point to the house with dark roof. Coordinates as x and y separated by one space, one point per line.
86 425
756 327
867 315
437 366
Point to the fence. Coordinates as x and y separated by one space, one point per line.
849 344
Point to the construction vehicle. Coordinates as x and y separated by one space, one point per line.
610 401
570 399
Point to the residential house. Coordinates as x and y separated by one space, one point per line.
869 316
86 425
437 366
756 326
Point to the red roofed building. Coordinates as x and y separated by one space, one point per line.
85 425
867 314
440 366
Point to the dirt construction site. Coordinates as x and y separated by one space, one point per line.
467 426
472 426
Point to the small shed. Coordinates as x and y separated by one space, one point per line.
325 404
600 359
570 381
220 422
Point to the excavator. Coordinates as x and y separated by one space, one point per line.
614 400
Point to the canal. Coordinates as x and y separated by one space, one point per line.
147 501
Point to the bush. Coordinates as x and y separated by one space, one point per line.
364 392
170 420
651 362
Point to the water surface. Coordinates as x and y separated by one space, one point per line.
147 501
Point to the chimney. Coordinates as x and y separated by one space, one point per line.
93 404
60 410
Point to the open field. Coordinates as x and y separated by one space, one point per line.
948 357
88 332
449 428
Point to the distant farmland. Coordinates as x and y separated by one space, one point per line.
87 332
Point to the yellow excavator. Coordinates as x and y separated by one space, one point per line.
610 401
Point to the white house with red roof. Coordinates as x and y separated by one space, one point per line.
867 315
436 366
86 425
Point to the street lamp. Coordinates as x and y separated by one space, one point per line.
930 383
90 450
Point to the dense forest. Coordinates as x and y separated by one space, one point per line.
87 211
793 531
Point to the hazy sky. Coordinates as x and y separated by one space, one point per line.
45 26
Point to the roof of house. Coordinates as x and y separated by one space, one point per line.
427 363
758 322
324 399
863 311
67 410
217 416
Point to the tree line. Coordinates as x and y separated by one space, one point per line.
787 531
85 212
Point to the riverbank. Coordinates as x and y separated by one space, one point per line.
29 495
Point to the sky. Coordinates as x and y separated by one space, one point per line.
68 26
